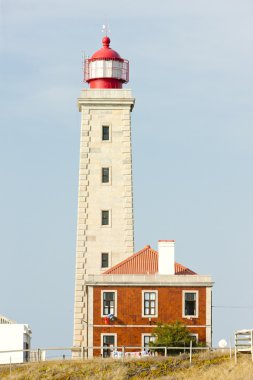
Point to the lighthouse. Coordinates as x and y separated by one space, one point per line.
105 230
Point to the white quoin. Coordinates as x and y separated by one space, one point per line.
166 256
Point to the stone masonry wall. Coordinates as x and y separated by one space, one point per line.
111 108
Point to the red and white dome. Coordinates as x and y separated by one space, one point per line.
106 68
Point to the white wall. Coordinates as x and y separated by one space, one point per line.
166 257
12 337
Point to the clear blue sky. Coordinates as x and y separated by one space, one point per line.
191 73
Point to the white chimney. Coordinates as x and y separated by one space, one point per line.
166 256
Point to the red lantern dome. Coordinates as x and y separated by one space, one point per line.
106 68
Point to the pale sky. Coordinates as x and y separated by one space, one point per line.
191 74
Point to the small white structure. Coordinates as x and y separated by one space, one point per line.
5 320
166 257
14 338
244 342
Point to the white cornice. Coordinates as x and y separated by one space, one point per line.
105 98
148 280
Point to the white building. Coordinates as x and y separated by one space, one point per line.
4 319
14 338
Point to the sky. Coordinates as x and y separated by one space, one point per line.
191 74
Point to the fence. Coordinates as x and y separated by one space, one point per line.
85 353
244 342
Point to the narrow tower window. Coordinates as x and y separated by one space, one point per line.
105 218
105 175
104 260
105 133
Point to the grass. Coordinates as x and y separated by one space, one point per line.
208 366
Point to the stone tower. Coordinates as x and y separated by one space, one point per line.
105 231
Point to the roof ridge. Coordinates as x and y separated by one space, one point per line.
132 257
184 268
145 254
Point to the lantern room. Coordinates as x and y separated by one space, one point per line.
106 68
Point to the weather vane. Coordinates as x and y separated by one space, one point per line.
105 29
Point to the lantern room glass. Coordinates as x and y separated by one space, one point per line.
107 69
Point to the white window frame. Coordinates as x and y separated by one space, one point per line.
142 338
110 334
196 336
197 304
110 176
110 132
110 218
143 306
102 303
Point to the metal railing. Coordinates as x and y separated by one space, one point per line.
244 342
103 352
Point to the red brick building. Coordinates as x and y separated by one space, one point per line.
144 289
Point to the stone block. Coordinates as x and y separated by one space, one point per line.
78 336
79 265
82 188
83 165
82 205
83 193
84 171
79 281
79 304
79 299
78 312
80 251
79 288
82 177
90 238
82 220
80 271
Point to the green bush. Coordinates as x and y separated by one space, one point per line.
175 334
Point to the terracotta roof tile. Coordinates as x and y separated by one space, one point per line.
144 262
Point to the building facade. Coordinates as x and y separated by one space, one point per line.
138 293
119 295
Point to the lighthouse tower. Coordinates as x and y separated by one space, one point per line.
105 231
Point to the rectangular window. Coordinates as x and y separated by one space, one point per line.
146 339
108 303
105 218
104 260
108 341
149 299
194 338
105 133
190 304
105 175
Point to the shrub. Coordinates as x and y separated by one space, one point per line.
175 334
